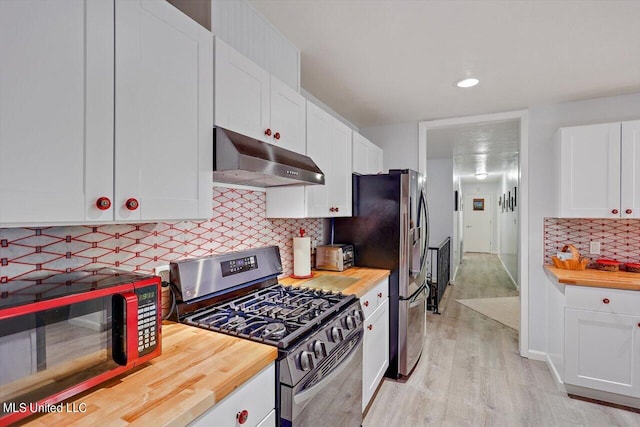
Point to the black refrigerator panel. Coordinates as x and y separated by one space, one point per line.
374 231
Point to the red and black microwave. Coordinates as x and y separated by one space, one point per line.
65 333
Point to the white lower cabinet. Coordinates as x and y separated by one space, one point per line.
375 354
256 397
602 351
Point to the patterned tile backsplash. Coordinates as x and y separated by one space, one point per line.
619 238
238 222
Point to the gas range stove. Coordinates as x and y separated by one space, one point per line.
318 333
276 315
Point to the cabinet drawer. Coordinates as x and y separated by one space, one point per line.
374 297
256 396
603 299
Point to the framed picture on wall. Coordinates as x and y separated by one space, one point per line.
455 201
478 204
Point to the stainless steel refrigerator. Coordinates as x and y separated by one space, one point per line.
390 229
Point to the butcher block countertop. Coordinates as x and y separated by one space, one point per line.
196 370
353 281
595 278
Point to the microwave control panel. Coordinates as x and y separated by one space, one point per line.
148 323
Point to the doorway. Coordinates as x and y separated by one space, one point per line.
478 223
514 181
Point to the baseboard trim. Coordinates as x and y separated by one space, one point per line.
508 274
555 374
537 355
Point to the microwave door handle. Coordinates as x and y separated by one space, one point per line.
125 328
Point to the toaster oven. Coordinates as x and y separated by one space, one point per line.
334 257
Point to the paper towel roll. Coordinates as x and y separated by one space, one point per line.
301 256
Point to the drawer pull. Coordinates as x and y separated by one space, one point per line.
242 416
606 300
628 211
379 294
370 327
614 211
366 303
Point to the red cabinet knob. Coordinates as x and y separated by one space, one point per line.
267 132
276 135
606 300
337 209
614 211
379 294
332 209
242 416
628 211
103 203
132 204
370 327
366 303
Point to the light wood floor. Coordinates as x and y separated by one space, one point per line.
471 374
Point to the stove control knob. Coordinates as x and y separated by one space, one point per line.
319 349
358 315
350 322
306 360
336 334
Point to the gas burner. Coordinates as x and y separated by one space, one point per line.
274 330
319 303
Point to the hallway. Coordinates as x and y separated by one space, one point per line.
471 374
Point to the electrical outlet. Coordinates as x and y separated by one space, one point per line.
594 248
163 272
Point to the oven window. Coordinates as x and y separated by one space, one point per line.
46 352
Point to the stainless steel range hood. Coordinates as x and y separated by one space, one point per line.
238 159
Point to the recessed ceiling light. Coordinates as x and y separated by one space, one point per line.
481 175
470 82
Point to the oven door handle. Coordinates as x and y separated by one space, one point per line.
336 371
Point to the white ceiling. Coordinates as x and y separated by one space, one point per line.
489 147
381 62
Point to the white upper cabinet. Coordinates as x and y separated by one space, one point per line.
288 121
62 79
56 110
367 157
164 108
329 146
599 166
250 101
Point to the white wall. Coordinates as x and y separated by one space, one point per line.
544 120
508 225
440 199
399 143
491 189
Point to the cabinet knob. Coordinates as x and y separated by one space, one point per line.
267 132
337 209
379 294
242 416
332 209
606 300
366 303
103 203
132 204
614 211
628 211
276 135
370 327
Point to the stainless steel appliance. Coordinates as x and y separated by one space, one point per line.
239 159
334 257
318 333
390 229
63 334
